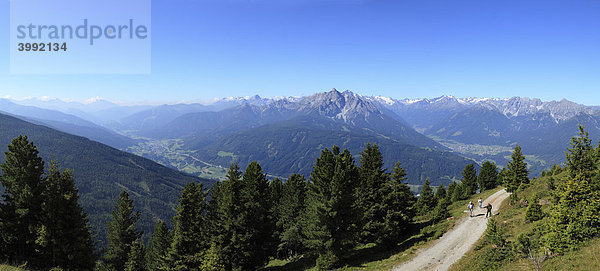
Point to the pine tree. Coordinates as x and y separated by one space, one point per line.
135 259
258 225
488 176
440 193
214 259
67 241
225 209
330 212
458 193
450 192
21 213
574 218
373 187
160 244
534 210
122 233
494 234
469 180
190 238
440 212
399 207
276 193
581 157
292 205
427 200
517 171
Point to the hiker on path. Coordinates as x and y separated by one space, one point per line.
470 206
489 210
480 202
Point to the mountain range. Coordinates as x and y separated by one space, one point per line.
435 137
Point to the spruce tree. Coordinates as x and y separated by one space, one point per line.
122 233
469 180
190 238
581 157
331 215
488 176
67 241
257 222
449 193
275 193
136 260
440 212
160 244
399 207
534 210
225 211
517 171
21 212
374 186
397 204
574 218
402 196
292 205
458 193
427 200
440 193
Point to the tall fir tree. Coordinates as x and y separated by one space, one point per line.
373 188
469 180
258 225
488 176
440 193
427 200
122 233
331 215
291 210
574 218
190 236
67 241
581 157
440 212
534 210
451 187
517 173
20 211
157 255
225 213
136 260
458 193
399 207
275 193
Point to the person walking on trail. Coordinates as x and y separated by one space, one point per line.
470 206
489 210
480 202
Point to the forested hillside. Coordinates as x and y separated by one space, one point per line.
101 172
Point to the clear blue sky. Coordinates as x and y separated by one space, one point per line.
203 49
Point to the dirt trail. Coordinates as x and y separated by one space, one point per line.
455 243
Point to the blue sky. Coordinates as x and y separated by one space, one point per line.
208 48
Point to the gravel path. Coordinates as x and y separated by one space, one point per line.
455 243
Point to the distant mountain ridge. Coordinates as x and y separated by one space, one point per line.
478 128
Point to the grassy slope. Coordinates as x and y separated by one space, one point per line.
368 258
512 219
4 267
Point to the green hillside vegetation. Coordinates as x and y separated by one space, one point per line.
284 149
343 213
4 267
551 224
101 172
